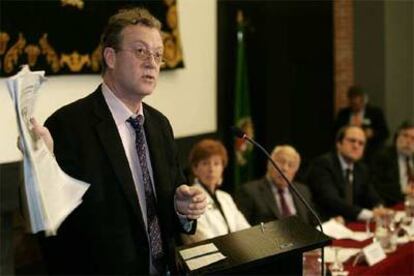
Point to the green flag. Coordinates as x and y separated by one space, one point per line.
243 169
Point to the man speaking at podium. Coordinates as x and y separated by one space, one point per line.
125 149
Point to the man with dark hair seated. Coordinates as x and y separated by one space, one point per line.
392 169
339 181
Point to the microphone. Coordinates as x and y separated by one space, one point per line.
240 134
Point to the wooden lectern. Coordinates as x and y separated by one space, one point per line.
277 250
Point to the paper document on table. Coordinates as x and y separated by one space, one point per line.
344 254
409 228
200 256
50 194
202 261
399 216
198 250
361 236
338 231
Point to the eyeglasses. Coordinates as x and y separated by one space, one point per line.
143 53
353 140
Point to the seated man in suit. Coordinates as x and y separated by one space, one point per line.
339 181
370 118
269 198
392 169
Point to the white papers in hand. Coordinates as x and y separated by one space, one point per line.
51 195
200 256
336 230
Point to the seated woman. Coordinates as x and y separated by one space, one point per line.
208 158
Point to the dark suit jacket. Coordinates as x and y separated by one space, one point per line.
327 184
11 176
106 233
10 179
386 176
373 118
256 201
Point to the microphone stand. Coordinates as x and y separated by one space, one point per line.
239 133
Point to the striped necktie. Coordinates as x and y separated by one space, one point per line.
283 203
410 171
153 225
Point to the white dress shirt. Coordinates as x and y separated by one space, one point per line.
121 113
212 223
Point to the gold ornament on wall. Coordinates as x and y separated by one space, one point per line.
4 39
57 52
172 46
12 55
74 3
75 61
32 52
51 56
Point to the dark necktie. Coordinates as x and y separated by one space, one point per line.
410 171
283 203
349 189
153 226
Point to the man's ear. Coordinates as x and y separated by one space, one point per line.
338 144
110 57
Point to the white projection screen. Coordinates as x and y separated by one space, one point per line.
186 96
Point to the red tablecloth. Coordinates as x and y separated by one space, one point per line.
399 262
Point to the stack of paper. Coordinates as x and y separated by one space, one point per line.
50 194
336 230
200 256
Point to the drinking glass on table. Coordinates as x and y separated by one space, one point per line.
312 263
368 227
385 230
337 265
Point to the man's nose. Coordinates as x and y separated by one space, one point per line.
150 62
284 167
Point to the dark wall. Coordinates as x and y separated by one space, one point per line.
370 49
289 47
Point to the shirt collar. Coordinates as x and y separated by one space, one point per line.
274 187
119 110
361 112
344 165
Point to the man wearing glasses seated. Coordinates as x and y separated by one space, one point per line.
339 181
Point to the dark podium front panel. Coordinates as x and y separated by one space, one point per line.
276 250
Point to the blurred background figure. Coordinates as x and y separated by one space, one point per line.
208 159
370 118
269 198
392 168
339 181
